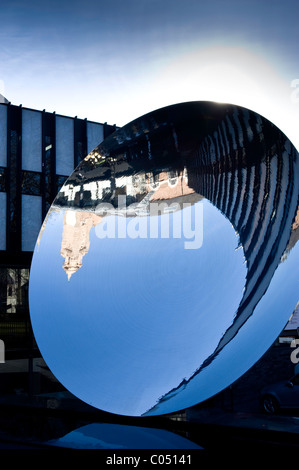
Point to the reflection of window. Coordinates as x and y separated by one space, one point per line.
135 181
295 380
2 179
81 152
60 180
31 183
48 165
13 290
185 175
106 194
172 177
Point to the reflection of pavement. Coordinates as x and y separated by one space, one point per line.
20 378
209 427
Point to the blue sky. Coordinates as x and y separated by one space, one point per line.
114 61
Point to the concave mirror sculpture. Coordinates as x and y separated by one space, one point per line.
168 263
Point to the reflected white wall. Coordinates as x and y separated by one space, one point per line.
31 220
3 135
64 145
31 140
2 221
95 135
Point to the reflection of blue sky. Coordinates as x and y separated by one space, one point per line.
139 316
119 436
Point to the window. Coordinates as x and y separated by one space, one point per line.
14 143
60 180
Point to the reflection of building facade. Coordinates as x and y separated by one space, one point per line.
38 151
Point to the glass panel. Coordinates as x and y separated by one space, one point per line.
14 319
60 180
2 179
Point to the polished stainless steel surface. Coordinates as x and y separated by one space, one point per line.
168 263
